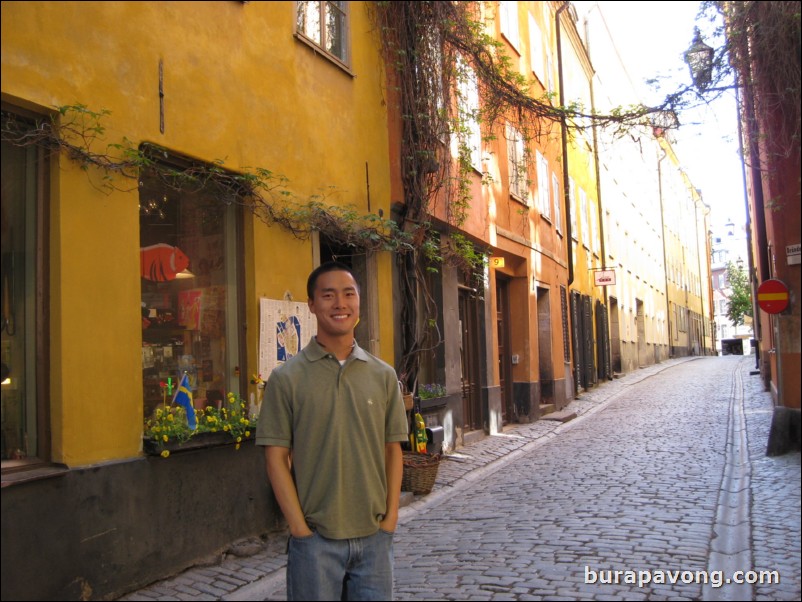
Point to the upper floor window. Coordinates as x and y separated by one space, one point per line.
516 164
470 135
574 208
324 24
593 220
24 320
583 209
536 55
508 13
543 197
191 286
555 194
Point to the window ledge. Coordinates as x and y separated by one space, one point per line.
320 52
21 475
433 403
515 197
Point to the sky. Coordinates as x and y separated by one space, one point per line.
651 38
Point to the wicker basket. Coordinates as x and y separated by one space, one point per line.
420 472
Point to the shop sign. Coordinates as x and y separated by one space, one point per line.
604 277
794 254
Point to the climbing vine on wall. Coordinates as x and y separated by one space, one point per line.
432 49
762 47
78 132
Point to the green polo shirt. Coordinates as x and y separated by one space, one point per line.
336 419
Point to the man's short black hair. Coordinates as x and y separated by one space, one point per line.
329 266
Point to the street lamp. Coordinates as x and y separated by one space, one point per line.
699 58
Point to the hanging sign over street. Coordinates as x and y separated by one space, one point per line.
772 296
604 277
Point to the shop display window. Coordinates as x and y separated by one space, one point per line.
189 266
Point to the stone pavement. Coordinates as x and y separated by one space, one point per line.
254 571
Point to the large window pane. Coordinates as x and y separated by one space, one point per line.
23 243
188 269
308 20
335 29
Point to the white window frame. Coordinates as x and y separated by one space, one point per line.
468 95
508 13
555 194
549 62
516 164
543 196
572 201
536 56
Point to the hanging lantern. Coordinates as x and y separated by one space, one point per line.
699 58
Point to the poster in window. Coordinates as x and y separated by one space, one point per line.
213 314
190 306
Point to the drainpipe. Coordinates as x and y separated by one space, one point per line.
761 263
750 259
699 258
564 136
596 166
665 255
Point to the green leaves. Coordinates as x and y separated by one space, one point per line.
78 130
739 300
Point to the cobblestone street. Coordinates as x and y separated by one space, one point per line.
635 487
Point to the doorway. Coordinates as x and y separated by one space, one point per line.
469 308
504 348
615 336
544 345
640 322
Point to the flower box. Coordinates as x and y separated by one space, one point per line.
168 430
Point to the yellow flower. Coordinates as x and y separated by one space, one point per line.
165 438
239 440
165 453
247 434
236 446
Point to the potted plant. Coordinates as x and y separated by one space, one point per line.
431 391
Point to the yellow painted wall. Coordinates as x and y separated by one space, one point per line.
238 88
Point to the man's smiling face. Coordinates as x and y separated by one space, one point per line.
335 303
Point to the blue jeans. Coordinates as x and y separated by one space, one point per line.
340 569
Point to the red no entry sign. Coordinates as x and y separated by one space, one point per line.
772 296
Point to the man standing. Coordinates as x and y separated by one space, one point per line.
331 422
